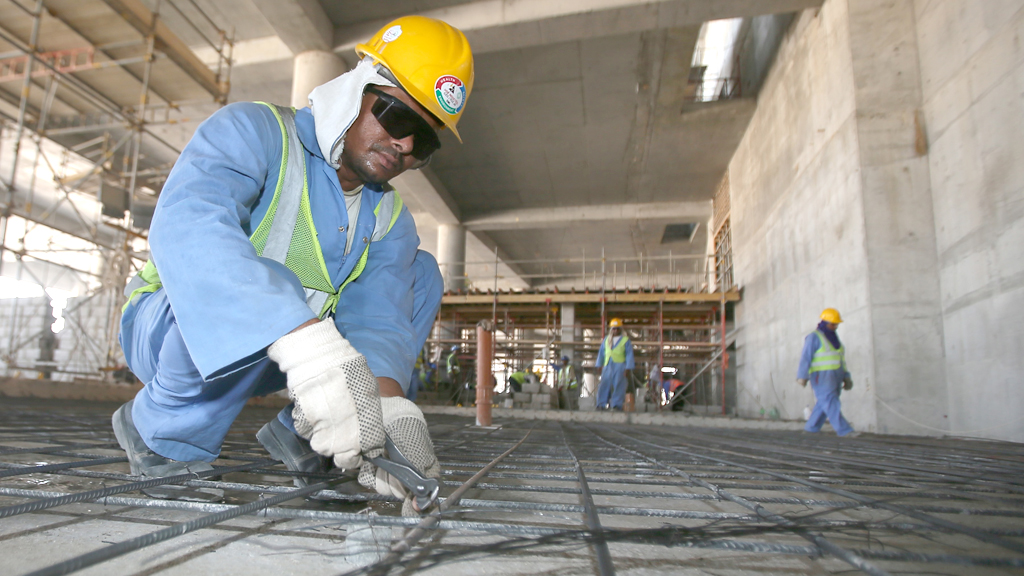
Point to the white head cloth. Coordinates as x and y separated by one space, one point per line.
335 106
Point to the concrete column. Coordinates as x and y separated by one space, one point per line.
311 69
568 315
451 255
899 224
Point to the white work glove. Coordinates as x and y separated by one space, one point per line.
802 382
404 423
337 402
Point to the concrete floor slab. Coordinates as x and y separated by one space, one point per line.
669 500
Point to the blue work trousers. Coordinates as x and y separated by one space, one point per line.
181 416
611 391
827 386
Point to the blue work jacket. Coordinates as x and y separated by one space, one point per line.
811 345
231 304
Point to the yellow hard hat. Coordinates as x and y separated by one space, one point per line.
615 323
430 59
831 315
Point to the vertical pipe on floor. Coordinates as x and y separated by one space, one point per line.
484 362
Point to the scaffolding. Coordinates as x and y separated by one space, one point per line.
83 84
670 315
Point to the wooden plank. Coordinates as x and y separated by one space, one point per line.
139 17
610 298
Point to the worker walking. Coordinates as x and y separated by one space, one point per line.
823 363
286 260
452 366
615 362
568 386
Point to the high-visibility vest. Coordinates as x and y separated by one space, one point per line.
287 234
617 353
567 377
452 363
518 377
827 357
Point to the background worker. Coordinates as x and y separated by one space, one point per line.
568 386
452 366
516 381
823 362
614 362
286 259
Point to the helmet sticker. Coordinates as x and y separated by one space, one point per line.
392 34
450 93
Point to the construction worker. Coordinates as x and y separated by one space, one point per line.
614 362
452 365
568 386
516 381
416 379
286 260
823 363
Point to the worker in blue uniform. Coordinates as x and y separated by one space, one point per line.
615 362
823 363
281 258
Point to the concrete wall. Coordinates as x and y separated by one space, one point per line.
972 78
798 223
880 176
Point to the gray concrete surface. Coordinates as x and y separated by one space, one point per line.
972 78
867 121
676 519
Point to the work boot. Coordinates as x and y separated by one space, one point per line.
148 464
292 450
296 454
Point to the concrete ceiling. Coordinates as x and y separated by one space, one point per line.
579 110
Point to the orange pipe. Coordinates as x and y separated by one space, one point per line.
484 379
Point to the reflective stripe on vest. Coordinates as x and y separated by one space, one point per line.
616 354
287 234
567 377
826 357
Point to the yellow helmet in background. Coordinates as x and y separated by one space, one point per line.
615 323
831 315
430 59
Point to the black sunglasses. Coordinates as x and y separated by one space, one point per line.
401 121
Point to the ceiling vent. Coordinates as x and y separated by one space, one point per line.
679 232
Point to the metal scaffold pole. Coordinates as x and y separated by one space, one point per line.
19 132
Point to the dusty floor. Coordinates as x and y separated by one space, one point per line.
664 501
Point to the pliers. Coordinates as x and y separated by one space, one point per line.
424 489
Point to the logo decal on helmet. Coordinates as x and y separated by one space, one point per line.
450 93
392 34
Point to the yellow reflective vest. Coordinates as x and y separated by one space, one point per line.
615 353
287 235
827 357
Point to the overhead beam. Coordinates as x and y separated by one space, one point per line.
590 298
536 218
139 17
494 25
301 24
422 191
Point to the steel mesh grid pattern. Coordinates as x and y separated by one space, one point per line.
659 500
